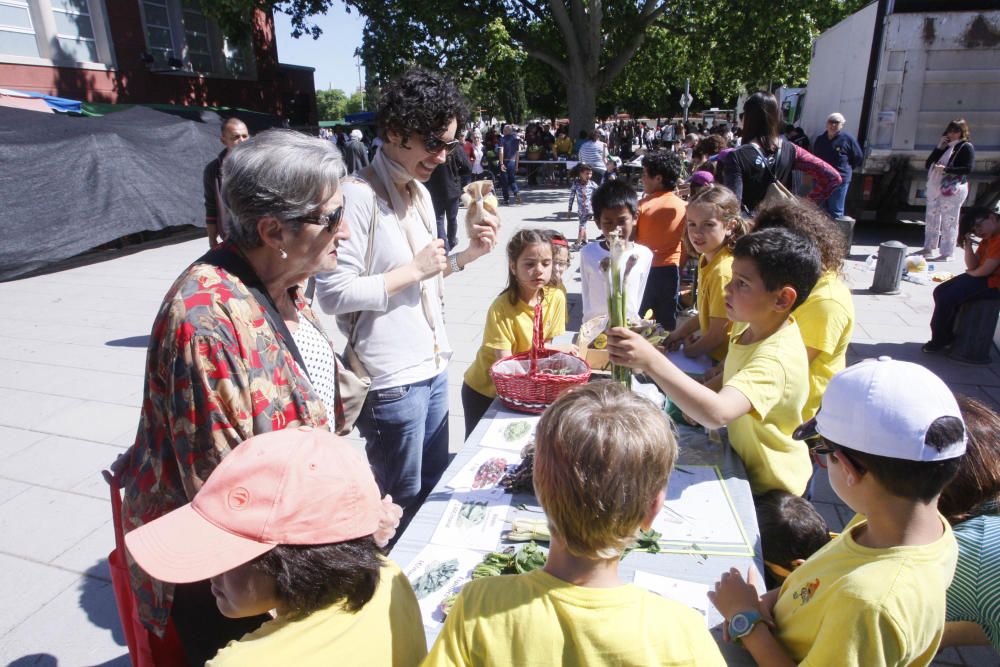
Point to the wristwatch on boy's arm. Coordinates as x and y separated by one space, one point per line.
742 624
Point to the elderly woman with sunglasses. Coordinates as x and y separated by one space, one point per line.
236 352
399 333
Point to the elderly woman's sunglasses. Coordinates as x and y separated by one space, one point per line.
330 221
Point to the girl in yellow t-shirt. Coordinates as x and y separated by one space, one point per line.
826 318
510 321
713 226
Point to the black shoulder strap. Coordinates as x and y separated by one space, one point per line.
229 260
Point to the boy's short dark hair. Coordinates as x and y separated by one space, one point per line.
419 101
312 577
665 164
614 194
783 259
914 480
790 528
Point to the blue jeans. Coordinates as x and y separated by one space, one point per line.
508 180
406 438
834 204
949 296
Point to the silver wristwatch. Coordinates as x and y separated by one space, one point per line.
453 263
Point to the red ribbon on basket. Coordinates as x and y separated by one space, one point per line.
537 338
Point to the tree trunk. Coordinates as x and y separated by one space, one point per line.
581 94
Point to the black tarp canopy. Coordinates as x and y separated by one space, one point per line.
71 184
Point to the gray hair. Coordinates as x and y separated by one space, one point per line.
357 134
279 173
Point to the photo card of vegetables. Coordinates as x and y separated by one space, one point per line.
437 574
510 431
485 469
473 519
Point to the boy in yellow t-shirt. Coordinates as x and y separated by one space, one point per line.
826 319
765 380
892 435
602 459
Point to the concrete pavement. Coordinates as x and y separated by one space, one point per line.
72 350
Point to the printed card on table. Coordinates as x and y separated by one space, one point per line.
697 366
688 593
485 469
438 573
510 431
473 520
699 516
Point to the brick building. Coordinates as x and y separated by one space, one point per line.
148 51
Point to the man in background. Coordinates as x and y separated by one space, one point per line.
234 133
842 152
355 152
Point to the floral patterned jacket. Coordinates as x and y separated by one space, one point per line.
216 374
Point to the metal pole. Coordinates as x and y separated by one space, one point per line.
687 94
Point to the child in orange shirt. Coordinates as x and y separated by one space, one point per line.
660 227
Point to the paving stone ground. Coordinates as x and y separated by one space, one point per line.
72 347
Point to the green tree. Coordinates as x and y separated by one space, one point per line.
355 103
588 45
331 104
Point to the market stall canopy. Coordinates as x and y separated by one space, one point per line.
69 184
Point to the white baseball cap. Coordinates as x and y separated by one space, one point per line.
885 407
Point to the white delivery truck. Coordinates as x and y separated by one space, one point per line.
899 71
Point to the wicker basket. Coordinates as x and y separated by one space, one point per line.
527 381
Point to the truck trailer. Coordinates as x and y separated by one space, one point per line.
899 71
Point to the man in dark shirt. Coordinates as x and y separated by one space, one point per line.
842 152
445 187
355 152
234 133
510 155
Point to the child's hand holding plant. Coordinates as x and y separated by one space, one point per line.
627 348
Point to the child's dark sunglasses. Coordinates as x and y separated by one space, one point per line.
330 221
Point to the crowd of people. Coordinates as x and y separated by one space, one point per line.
256 535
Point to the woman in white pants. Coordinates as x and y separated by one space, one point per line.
948 168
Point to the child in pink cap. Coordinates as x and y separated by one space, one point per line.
285 523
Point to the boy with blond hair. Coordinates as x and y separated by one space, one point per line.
603 456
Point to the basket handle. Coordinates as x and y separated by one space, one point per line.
537 337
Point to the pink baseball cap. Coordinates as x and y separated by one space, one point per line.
295 486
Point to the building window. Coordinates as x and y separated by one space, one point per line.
55 32
74 30
178 32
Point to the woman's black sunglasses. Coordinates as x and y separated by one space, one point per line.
330 221
434 145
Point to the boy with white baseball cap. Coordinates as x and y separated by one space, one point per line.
285 522
892 435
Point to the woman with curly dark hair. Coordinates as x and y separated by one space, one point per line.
387 289
826 317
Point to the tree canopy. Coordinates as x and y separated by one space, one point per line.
512 56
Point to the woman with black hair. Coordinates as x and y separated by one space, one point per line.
948 168
390 290
764 158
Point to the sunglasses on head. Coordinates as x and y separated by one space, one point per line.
434 145
820 446
331 221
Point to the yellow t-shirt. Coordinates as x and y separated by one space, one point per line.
509 327
538 620
387 631
826 320
850 605
774 376
711 301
